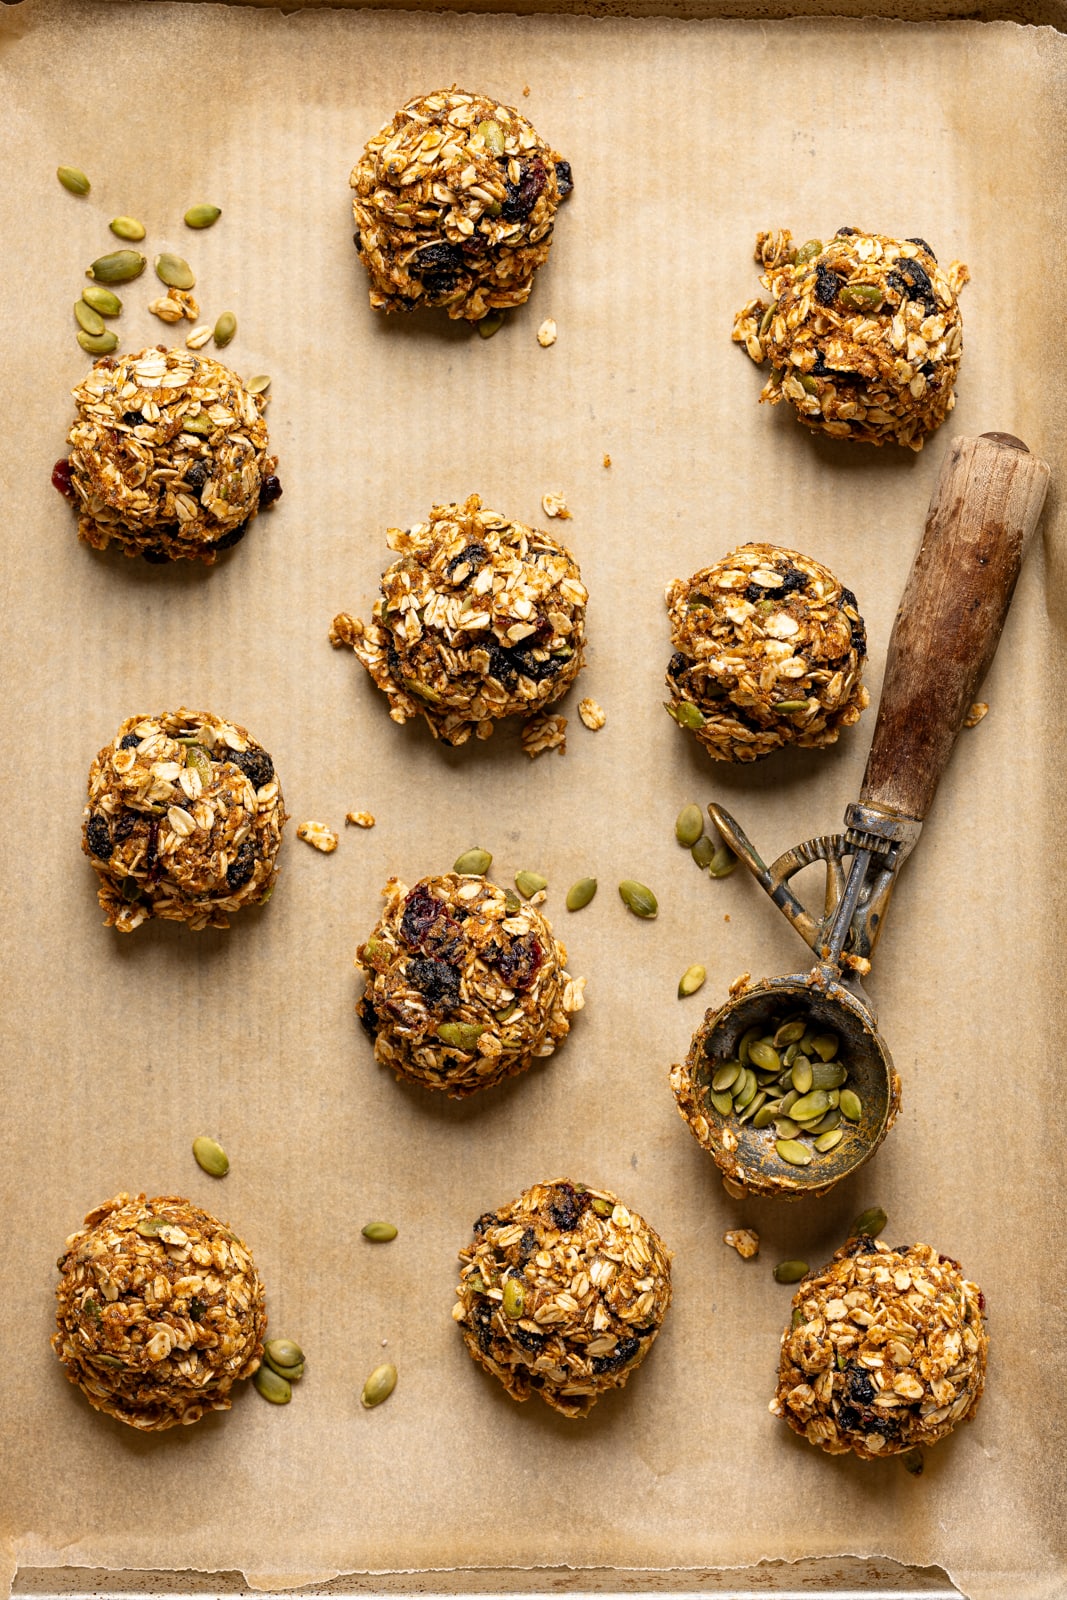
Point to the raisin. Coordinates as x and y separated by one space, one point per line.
624 1351
437 266
911 283
923 246
124 825
256 765
792 581
827 284
421 911
529 666
436 981
528 1244
269 491
889 1426
196 1309
845 233
356 240
98 837
501 664
860 1387
155 557
678 664
482 1317
61 478
858 632
928 369
228 540
518 962
151 855
368 1017
526 1340
564 179
196 475
473 556
129 741
521 197
848 1417
133 419
476 245
565 1208
487 1220
241 867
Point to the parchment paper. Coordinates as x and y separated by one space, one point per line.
684 140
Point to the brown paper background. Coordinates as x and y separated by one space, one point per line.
685 138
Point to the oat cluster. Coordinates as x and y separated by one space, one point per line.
562 1294
168 456
184 820
863 334
480 618
768 651
159 1309
886 1350
454 204
465 984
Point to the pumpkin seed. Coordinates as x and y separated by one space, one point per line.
860 297
106 1361
97 344
476 1283
460 1035
638 899
379 1232
754 1106
789 1033
767 318
826 1124
829 1140
514 1297
722 862
73 180
790 1271
801 1075
493 135
284 1352
790 1053
870 1222
810 1106
197 757
797 1154
127 228
174 272
199 424
685 714
474 862
787 706
796 1319
825 1046
723 1103
809 385
530 883
766 1114
745 1045
259 384
785 1127
272 1386
512 903
691 980
225 328
211 1157
89 320
490 325
689 825
290 1374
379 1386
834 1096
788 1100
912 1461
506 1013
152 1227
763 1054
851 1105
603 1208
102 300
744 1094
827 1074
808 252
703 852
579 894
202 216
727 1075
121 266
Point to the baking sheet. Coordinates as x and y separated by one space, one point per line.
685 139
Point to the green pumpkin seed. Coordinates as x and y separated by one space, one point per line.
727 1075
808 252
825 1046
748 1038
810 1106
797 1319
834 1096
685 714
912 1461
785 1127
106 1361
211 1157
829 1140
512 903
827 1074
379 1232
860 297
530 883
506 1013
259 384
97 344
603 1208
152 1227
755 1105
290 1374
197 757
766 1114
174 272
763 1054
202 216
460 1035
127 228
787 706
474 862
870 1222
490 325
225 328
73 180
789 1033
102 300
747 1090
767 318
284 1352
790 1271
379 1386
121 266
689 825
579 894
272 1386
87 319
788 1100
638 899
791 1150
514 1297
722 862
851 1105
826 1124
691 980
809 385
723 1103
703 852
475 1283
801 1075
493 135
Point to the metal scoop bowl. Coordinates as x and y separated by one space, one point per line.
983 512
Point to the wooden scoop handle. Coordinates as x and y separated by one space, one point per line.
984 509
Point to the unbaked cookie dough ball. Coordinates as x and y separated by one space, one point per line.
886 1349
159 1309
465 984
454 204
168 456
768 651
480 618
863 334
184 820
562 1294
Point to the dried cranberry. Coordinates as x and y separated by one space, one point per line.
624 1352
129 741
241 867
436 981
256 765
98 837
521 197
269 491
518 962
981 1300
424 916
61 478
827 284
564 179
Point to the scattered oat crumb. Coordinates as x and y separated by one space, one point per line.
546 333
547 732
726 916
591 713
174 305
975 714
319 835
359 819
607 459
197 337
744 1240
740 984
526 89
554 505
